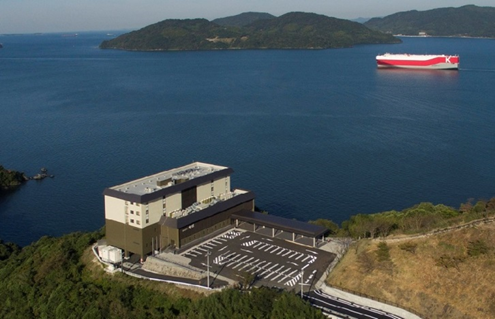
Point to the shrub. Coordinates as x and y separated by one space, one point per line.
477 248
409 247
383 252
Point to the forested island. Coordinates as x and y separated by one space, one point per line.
466 21
295 30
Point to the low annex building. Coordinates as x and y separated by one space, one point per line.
172 208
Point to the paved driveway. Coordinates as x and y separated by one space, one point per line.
274 262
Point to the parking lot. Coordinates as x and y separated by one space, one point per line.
274 262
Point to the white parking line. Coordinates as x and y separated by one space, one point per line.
254 266
278 273
257 244
245 265
265 268
285 276
236 261
306 258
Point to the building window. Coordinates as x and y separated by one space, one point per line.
138 213
147 221
132 221
132 212
138 222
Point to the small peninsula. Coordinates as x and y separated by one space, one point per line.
466 21
295 30
10 179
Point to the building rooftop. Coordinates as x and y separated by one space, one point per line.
165 179
208 202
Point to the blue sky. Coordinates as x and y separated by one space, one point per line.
30 16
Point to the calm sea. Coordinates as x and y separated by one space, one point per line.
315 134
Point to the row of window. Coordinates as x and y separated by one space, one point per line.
138 222
138 213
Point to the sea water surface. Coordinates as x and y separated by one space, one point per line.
314 133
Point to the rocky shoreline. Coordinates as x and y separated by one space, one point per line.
12 179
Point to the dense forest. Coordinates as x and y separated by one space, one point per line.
243 19
469 21
296 30
56 278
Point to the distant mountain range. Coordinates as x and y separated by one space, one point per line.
299 30
296 30
468 21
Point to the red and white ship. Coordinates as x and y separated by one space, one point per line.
418 61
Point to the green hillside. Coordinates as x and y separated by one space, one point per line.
295 30
243 19
59 278
469 21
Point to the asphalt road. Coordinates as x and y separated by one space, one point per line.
344 308
273 262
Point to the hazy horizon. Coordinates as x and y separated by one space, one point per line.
28 16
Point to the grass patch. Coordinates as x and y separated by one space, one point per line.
447 275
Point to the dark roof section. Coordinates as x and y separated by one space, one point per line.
182 222
290 225
168 190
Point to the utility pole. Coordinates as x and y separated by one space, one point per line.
302 283
208 253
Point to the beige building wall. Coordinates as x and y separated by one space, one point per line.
203 191
173 202
226 183
115 209
155 211
134 215
219 186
